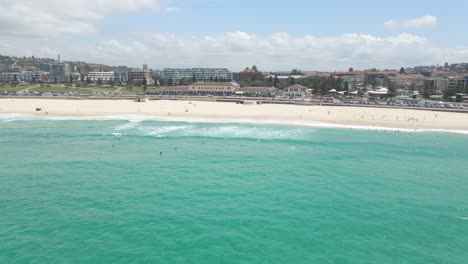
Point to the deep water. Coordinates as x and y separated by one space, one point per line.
117 191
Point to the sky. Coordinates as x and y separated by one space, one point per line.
274 35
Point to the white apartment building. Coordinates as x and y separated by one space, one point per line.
103 76
199 74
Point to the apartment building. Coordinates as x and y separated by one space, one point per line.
101 76
177 74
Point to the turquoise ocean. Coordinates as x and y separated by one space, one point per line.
155 191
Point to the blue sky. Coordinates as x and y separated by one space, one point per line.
321 18
277 35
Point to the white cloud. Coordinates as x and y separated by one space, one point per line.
420 22
49 27
50 18
236 50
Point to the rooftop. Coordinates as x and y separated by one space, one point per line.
232 84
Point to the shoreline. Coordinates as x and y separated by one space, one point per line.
168 110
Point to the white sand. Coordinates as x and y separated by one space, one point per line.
358 116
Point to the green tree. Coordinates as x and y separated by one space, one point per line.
346 86
270 81
427 90
55 80
275 81
99 81
354 85
33 80
392 90
292 81
111 82
254 68
145 84
15 78
71 78
351 70
402 70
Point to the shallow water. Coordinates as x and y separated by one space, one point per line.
118 191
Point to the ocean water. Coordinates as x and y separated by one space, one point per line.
147 191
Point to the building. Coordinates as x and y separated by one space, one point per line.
285 77
121 74
295 91
175 75
214 88
378 78
137 75
45 67
198 74
10 77
32 76
101 76
173 90
57 71
256 91
22 76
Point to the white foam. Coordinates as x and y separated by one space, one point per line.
158 131
233 131
131 124
303 123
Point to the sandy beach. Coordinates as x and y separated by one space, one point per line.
353 116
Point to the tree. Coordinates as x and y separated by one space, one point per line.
270 81
354 85
145 85
71 78
275 82
294 72
111 82
254 68
194 79
402 70
346 86
292 81
82 78
169 82
55 80
446 65
392 90
15 78
33 79
99 81
427 90
351 70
